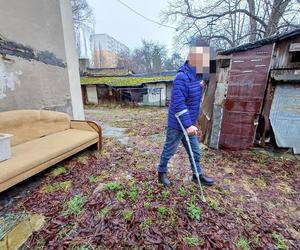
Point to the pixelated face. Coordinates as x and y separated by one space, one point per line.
199 57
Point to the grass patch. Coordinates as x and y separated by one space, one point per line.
58 171
193 241
113 186
63 186
127 215
280 241
243 244
74 205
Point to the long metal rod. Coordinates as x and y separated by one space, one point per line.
177 115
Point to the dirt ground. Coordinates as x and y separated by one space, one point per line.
111 200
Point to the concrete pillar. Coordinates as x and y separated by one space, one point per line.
71 58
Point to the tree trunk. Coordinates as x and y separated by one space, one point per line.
278 8
253 23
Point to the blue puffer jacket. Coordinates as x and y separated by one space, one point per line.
186 94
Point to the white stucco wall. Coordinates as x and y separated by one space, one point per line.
156 95
92 96
46 28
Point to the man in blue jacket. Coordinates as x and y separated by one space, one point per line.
186 96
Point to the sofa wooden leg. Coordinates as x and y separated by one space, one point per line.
99 146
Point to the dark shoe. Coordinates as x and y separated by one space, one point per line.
163 179
204 180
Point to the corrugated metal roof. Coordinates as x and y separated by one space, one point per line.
261 42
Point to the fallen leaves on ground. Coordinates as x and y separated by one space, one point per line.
113 201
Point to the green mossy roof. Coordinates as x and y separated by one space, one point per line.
123 81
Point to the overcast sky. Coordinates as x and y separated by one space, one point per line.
116 20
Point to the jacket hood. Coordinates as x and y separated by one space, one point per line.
188 70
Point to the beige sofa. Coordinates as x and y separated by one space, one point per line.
41 139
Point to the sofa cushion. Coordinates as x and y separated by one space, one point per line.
26 125
33 153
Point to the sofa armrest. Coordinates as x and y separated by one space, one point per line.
88 125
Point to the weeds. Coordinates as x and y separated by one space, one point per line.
83 158
74 205
162 211
193 241
146 223
93 179
103 212
120 196
182 191
40 244
84 247
165 194
133 194
194 211
243 244
127 215
64 186
68 230
212 203
255 238
58 171
147 204
280 241
113 186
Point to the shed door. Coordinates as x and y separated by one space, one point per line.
246 87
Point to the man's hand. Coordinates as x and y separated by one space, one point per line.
192 130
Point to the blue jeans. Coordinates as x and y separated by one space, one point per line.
173 138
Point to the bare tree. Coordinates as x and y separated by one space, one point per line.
228 23
149 57
82 13
124 60
173 62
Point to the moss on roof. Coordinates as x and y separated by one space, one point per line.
123 81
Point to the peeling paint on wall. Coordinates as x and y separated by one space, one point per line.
8 79
27 53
